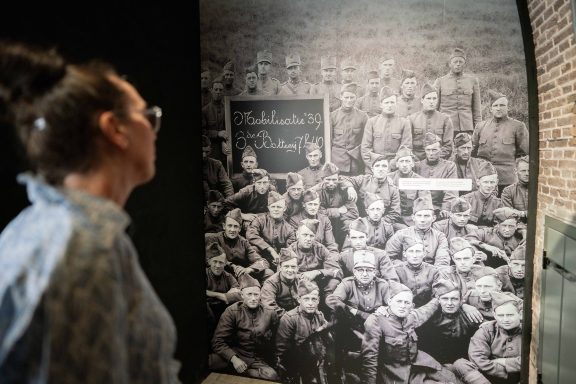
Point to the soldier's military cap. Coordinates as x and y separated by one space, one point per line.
443 286
259 173
487 271
236 215
495 95
214 250
486 169
459 205
248 151
329 169
525 159
407 74
306 287
403 151
311 224
504 213
310 195
426 89
379 159
519 253
349 87
372 75
458 244
229 66
408 242
386 92
292 179
458 52
328 62
430 138
421 203
264 55
292 60
386 57
461 139
310 147
286 254
371 198
501 298
274 197
359 226
214 196
395 288
205 141
364 258
204 69
250 69
348 63
247 281
217 79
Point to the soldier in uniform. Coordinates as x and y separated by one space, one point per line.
213 122
266 85
512 274
205 85
279 292
328 86
459 94
348 70
270 232
251 77
436 167
408 103
213 174
252 199
248 163
241 257
387 79
516 195
385 133
244 336
214 215
311 175
480 296
457 224
467 167
347 124
435 243
494 351
228 75
483 201
294 85
430 120
293 195
370 102
500 139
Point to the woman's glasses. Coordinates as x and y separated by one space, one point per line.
154 116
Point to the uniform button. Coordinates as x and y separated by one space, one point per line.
509 339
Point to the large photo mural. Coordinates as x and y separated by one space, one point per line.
365 176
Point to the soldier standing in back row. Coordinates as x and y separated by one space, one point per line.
467 167
229 74
213 122
251 77
408 103
294 85
205 86
347 70
370 102
328 86
387 64
266 85
311 175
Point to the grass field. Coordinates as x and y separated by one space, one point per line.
420 34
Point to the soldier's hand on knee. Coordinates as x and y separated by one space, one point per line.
472 313
239 364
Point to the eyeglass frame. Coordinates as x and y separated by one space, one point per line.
153 114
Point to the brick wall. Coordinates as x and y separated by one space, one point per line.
555 50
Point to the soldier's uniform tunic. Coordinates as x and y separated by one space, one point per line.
450 230
242 180
222 284
213 224
318 258
443 169
515 196
509 282
407 197
418 279
370 104
212 123
384 188
347 129
279 294
378 233
265 232
293 207
465 281
435 245
482 208
459 98
310 176
407 106
248 200
268 86
383 135
231 91
332 89
491 236
435 122
299 88
324 234
384 267
469 170
216 178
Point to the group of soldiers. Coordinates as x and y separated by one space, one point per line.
348 278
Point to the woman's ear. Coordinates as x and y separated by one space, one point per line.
113 130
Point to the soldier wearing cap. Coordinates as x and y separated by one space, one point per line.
252 199
467 167
359 233
385 133
328 86
408 103
213 174
480 296
500 139
248 163
205 85
251 77
457 224
347 124
494 351
434 166
447 334
295 85
435 243
266 85
348 70
214 215
311 210
213 121
370 102
228 75
484 201
244 336
404 162
387 79
271 232
379 230
294 194
428 119
516 195
279 292
499 241
311 175
459 94
241 257
512 274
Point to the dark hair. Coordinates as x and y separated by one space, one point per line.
55 106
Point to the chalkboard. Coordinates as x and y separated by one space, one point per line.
276 127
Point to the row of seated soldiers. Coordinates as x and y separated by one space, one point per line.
402 322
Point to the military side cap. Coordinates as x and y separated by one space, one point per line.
459 243
214 250
248 151
407 74
458 52
229 66
486 271
380 158
309 195
247 281
214 196
495 95
486 169
274 197
426 89
358 225
403 151
236 215
373 75
205 141
293 59
311 224
217 79
443 286
371 198
386 92
287 254
501 298
409 241
395 288
328 62
349 87
329 169
504 213
306 287
459 205
364 258
386 57
264 55
251 69
258 174
461 139
348 63
204 69
430 138
519 253
292 179
310 147
421 203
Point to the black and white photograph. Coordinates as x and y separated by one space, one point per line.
365 171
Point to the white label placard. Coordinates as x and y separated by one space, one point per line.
435 184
